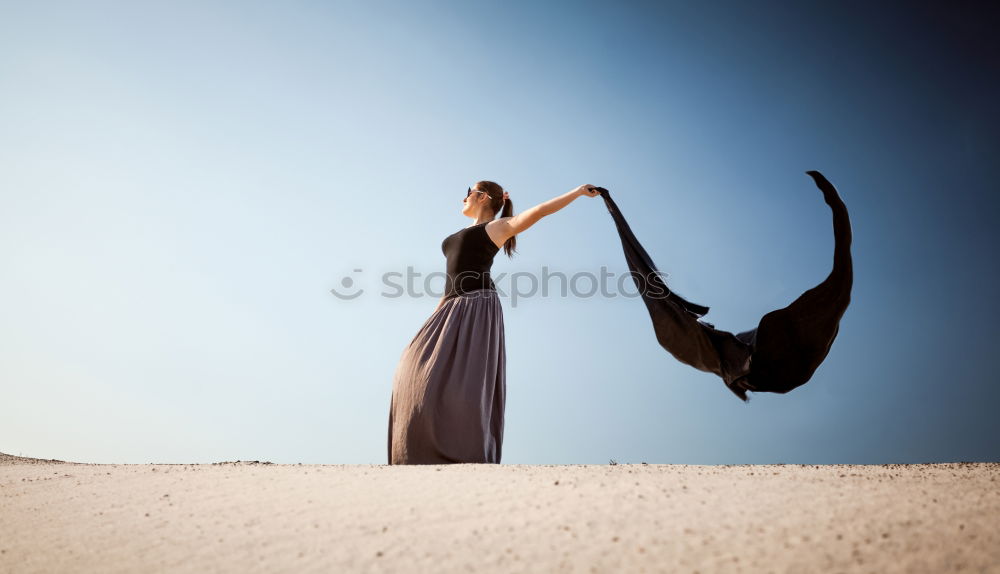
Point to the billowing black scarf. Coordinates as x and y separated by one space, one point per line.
788 344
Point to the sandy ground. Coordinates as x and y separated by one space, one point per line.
262 517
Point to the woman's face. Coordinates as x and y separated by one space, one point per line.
474 202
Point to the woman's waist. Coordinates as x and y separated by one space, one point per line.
470 284
467 274
470 280
477 292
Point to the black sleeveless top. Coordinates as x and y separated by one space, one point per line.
470 254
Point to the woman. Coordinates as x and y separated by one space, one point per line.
450 386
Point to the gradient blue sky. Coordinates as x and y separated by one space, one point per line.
182 184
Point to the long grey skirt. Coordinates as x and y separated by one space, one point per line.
449 390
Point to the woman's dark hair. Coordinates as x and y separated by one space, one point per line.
497 202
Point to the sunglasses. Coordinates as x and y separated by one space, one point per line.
471 191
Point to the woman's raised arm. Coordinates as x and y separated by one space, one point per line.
510 226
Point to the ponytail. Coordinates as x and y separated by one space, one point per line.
508 210
501 205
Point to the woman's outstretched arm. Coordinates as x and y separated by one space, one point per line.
510 226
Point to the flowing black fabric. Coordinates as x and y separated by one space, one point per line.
788 344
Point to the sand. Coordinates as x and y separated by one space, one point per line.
257 517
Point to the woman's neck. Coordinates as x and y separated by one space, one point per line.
482 219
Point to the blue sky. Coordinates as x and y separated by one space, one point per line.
181 186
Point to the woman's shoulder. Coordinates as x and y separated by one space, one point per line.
500 223
498 231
